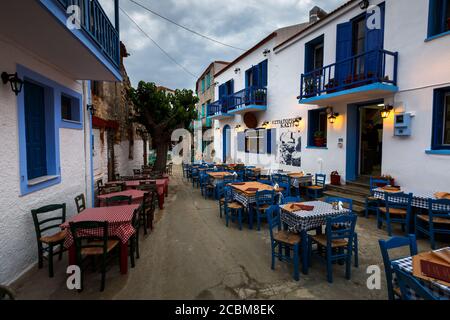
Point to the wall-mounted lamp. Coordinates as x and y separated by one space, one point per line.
266 124
237 70
386 111
332 117
364 4
266 52
13 79
91 109
238 128
216 84
297 122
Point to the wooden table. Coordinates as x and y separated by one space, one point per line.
120 226
137 196
303 221
162 186
219 175
247 198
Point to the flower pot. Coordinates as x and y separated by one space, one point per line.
335 180
319 142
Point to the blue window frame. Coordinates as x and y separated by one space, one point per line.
439 18
441 119
257 75
71 111
39 121
203 85
314 54
317 127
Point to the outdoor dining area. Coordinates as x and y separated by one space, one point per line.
124 212
307 227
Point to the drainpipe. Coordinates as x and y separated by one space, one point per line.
89 142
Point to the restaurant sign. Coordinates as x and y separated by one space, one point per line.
285 123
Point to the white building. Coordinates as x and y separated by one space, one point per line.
46 154
347 67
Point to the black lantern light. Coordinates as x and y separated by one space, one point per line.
386 111
332 117
13 79
297 122
91 109
364 4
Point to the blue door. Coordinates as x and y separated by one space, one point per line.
35 130
374 41
343 51
226 142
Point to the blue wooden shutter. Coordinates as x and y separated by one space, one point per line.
438 116
222 91
255 75
436 18
248 74
241 141
343 51
374 41
271 139
313 125
35 131
231 86
263 73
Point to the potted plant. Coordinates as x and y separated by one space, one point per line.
260 97
310 88
335 178
333 83
319 139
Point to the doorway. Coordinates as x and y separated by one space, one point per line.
226 142
371 140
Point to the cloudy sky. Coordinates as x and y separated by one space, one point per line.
240 23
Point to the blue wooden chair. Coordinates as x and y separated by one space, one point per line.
264 199
410 287
338 243
348 204
267 182
394 293
397 210
220 196
282 242
316 191
285 189
250 175
232 208
287 200
373 203
195 177
436 222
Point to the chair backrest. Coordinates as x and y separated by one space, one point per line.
287 200
220 189
149 202
136 221
94 232
147 182
399 201
346 232
6 293
320 180
108 190
410 287
439 209
265 197
228 179
48 218
99 183
277 178
377 183
268 182
286 188
393 243
147 187
118 201
348 203
80 202
228 194
273 217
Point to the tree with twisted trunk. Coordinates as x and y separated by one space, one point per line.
161 113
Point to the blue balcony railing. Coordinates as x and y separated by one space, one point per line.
98 26
246 97
376 66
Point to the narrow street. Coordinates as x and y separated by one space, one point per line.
192 255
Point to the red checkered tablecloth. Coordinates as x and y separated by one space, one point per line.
136 195
161 184
119 220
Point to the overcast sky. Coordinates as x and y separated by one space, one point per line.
240 23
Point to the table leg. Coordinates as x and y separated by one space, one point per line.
161 201
123 258
166 190
305 262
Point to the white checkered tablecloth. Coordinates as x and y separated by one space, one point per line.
308 220
420 199
119 220
436 288
301 181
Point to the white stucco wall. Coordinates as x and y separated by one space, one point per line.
100 156
125 165
423 66
18 250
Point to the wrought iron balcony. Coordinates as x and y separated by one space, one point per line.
377 66
98 26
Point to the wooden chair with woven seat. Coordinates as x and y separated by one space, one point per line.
91 239
395 243
264 199
436 222
372 203
108 190
118 201
232 208
397 209
134 240
80 202
284 241
148 212
316 191
338 243
47 220
220 196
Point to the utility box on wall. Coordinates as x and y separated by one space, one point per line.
402 125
